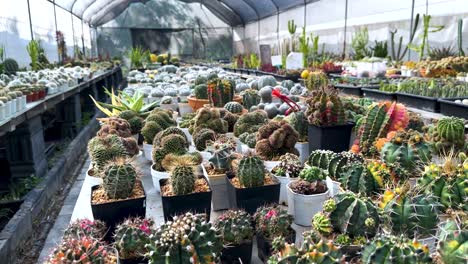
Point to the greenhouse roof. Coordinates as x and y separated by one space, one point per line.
232 12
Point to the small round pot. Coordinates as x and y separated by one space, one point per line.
147 150
333 186
283 200
158 175
306 206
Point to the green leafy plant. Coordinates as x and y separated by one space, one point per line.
138 56
33 51
254 61
399 54
380 49
359 43
122 102
423 47
304 47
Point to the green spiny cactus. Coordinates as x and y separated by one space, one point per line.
10 66
316 80
273 221
292 27
275 139
250 139
221 160
312 173
320 158
412 215
182 180
131 236
298 121
453 243
235 227
201 91
250 122
220 91
174 143
163 118
169 131
158 155
391 249
149 131
119 179
104 149
136 122
187 239
359 178
234 107
325 108
320 252
79 250
209 118
229 118
201 137
250 98
251 172
338 162
449 135
84 227
322 224
201 80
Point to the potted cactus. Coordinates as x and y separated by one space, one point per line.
328 127
130 238
298 121
134 120
180 241
272 222
448 135
307 194
157 121
184 107
185 191
247 142
120 195
392 249
288 168
237 232
102 150
200 95
250 185
81 250
84 227
275 139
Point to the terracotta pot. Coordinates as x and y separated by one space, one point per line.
197 103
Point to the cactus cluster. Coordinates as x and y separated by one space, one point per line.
298 121
312 181
250 98
273 221
200 91
187 239
250 139
209 118
366 178
133 119
275 139
84 227
316 80
78 250
158 138
201 138
157 121
182 180
220 91
449 135
407 150
104 149
235 227
251 171
234 107
289 166
332 162
250 122
392 249
351 214
116 126
119 179
325 108
229 118
131 236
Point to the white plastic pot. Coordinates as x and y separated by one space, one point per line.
158 175
184 108
2 112
206 155
306 206
13 106
19 104
269 165
8 109
187 134
218 185
333 186
147 150
303 148
23 101
283 189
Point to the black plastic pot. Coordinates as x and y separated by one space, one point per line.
448 107
334 138
140 260
232 254
181 204
264 245
378 95
250 199
112 213
420 102
349 89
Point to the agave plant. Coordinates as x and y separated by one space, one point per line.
138 56
123 102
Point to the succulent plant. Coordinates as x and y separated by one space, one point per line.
114 125
449 135
84 227
325 108
133 119
234 107
162 117
119 179
170 161
131 236
275 139
316 80
266 80
104 149
361 178
149 131
298 121
220 91
250 98
201 91
187 239
235 227
221 160
289 166
202 136
273 221
182 180
10 66
230 118
79 250
391 249
453 243
251 171
170 131
250 122
332 162
250 139
209 118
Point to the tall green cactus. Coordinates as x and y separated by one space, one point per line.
304 47
104 149
119 179
251 172
461 52
398 54
220 91
250 98
325 108
182 180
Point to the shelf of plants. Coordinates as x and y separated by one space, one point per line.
232 168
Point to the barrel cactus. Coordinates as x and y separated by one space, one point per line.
391 249
364 178
188 238
79 250
449 135
174 143
221 160
131 236
325 108
201 91
170 131
266 80
149 131
250 122
316 80
235 227
208 117
10 66
119 179
250 139
234 107
182 180
104 149
201 137
251 172
250 98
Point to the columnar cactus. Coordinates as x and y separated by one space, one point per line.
119 179
250 98
104 149
298 121
325 108
78 250
251 172
202 136
316 80
182 180
220 91
235 227
187 239
391 249
250 122
234 107
449 135
320 252
275 139
412 215
131 236
209 118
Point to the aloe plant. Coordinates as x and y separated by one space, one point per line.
33 49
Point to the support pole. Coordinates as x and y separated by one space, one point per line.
411 27
73 32
30 21
82 38
56 30
345 29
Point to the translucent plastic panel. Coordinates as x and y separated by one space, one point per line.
244 10
14 30
80 6
285 4
67 4
264 7
78 33
64 25
42 17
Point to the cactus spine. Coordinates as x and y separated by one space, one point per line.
449 135
182 180
104 149
251 172
234 107
201 137
235 227
119 179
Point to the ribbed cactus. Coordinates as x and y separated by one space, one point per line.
292 27
250 122
104 149
174 143
453 243
162 117
412 215
234 107
320 158
133 119
407 150
10 66
316 80
275 139
182 180
209 118
449 135
320 252
235 227
79 250
187 239
298 121
448 182
149 131
119 179
131 236
250 139
170 131
202 136
251 172
250 98
201 91
221 160
220 91
361 178
332 162
325 108
391 249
